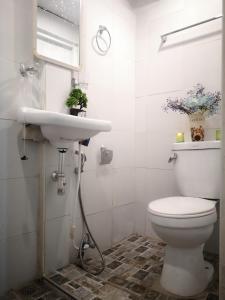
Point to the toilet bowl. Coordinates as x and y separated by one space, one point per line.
185 227
186 222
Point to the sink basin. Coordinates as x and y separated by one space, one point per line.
62 129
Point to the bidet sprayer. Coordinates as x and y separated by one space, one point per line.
83 159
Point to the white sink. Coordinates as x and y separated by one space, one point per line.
62 129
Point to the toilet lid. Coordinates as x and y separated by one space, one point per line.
181 206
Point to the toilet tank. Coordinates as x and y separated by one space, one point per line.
198 168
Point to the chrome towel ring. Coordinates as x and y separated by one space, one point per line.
102 42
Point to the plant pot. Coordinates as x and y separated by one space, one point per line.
197 124
76 111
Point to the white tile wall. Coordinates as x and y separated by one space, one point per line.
96 192
57 85
187 58
101 225
18 206
123 222
11 149
19 180
140 149
9 87
159 149
123 186
160 183
140 218
111 84
123 147
57 243
115 196
16 17
18 261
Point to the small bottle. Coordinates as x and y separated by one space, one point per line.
218 134
179 137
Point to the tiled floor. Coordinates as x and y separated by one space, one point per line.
132 271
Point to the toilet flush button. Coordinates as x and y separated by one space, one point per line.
106 156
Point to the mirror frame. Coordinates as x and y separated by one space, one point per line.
45 58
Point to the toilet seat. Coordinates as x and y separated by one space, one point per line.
182 207
183 212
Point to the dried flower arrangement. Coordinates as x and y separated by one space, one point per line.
207 103
198 105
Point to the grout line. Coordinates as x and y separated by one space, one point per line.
16 178
9 119
160 169
138 98
57 218
110 209
18 235
110 168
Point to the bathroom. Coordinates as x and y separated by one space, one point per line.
127 84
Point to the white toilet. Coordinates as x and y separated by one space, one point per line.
186 222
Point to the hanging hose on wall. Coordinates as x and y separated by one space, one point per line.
87 240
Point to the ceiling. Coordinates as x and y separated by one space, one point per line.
140 3
68 9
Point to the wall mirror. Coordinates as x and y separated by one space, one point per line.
57 32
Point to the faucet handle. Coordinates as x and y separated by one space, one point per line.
172 158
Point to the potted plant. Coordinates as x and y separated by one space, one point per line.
198 105
76 101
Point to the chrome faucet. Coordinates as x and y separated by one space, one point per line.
26 70
172 158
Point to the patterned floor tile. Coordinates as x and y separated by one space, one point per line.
59 279
9 296
114 264
52 296
140 274
35 290
132 272
151 295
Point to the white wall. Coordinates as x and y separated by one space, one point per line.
187 58
108 191
115 196
19 180
222 205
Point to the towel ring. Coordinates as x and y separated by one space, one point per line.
99 39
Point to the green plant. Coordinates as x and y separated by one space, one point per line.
77 98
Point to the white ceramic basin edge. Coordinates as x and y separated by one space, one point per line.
61 128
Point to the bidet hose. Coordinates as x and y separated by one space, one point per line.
81 256
81 249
